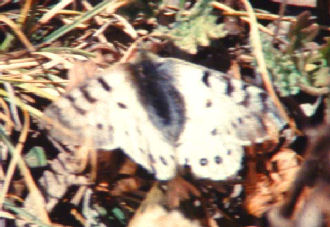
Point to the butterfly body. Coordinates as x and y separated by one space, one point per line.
166 113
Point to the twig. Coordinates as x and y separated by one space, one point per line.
315 91
25 12
55 10
18 32
12 105
5 116
230 11
257 50
279 19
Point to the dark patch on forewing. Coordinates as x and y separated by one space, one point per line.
164 103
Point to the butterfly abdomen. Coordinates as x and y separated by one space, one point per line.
160 97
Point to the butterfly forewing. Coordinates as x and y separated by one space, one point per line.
106 111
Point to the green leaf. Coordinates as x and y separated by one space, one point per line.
36 157
284 71
193 28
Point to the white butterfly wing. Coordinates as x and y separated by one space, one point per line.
105 112
165 112
222 116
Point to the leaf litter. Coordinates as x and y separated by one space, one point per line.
41 44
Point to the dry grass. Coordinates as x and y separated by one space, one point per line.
42 42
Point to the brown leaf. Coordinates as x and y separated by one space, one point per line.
267 190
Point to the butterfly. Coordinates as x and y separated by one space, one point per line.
167 114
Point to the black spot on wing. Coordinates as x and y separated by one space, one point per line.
229 86
74 105
246 100
122 105
99 126
203 161
86 94
104 84
162 159
205 78
218 160
70 98
208 103
151 159
214 132
240 120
